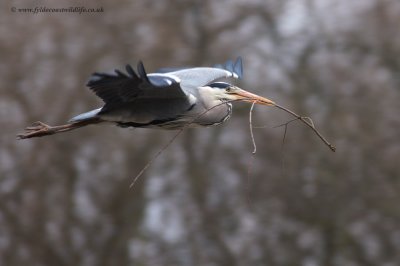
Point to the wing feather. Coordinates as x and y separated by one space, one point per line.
201 76
234 67
117 88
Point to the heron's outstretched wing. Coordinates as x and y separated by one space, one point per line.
200 76
118 87
140 97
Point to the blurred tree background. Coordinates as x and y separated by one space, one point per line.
65 199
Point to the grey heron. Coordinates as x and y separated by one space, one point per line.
166 99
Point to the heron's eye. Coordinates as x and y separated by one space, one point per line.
228 89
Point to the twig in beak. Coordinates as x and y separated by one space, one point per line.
308 121
251 128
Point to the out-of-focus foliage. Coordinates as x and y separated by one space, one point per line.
64 199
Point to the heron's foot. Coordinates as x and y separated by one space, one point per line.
37 129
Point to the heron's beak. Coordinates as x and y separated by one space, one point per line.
251 97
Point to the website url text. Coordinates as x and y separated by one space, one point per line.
43 9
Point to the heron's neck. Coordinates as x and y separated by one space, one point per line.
208 98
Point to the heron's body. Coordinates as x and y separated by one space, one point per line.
171 113
167 99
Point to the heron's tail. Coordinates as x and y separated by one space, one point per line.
40 129
86 116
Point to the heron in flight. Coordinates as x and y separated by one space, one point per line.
167 99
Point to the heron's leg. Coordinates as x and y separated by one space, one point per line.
40 129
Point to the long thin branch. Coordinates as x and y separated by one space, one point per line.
149 163
308 121
310 124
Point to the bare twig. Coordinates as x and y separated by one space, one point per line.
284 133
149 163
251 128
283 145
307 120
310 124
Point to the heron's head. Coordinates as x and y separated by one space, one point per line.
229 92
